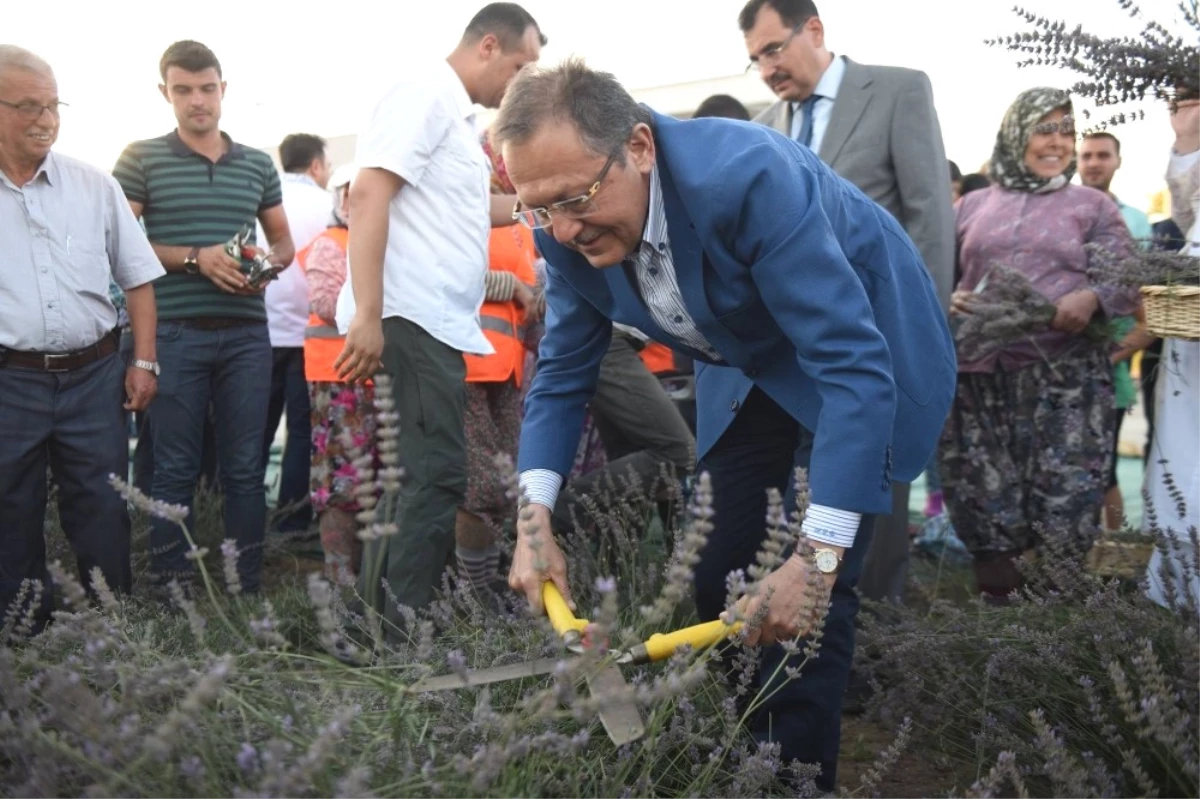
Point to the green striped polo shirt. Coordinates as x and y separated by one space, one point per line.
189 201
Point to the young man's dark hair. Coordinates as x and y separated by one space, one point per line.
508 21
973 182
297 151
189 55
955 173
792 12
1104 134
722 105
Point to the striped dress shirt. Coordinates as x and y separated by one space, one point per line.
654 268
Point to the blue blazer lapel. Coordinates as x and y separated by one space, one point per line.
689 260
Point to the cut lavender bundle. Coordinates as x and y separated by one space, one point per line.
1106 268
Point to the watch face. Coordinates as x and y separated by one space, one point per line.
826 560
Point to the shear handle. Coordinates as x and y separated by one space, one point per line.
561 618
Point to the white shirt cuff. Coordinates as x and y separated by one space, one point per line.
541 486
826 525
1181 163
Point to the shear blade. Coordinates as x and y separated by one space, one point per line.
513 671
620 715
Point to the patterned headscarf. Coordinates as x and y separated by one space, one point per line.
500 182
1008 158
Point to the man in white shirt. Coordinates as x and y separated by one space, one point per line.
306 170
422 213
65 231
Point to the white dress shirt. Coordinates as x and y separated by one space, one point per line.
437 249
654 266
62 236
827 88
309 209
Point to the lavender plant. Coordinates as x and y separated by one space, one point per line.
1156 64
253 696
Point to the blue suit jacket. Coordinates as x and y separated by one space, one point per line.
807 288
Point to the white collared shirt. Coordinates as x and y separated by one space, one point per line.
62 236
658 285
309 209
438 224
827 88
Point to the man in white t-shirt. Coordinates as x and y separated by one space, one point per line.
422 212
306 170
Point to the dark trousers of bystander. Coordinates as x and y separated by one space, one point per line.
761 450
429 387
229 368
73 423
642 429
289 393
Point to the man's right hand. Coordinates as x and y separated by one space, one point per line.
360 357
537 558
224 272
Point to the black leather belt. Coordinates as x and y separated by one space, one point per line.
218 322
62 361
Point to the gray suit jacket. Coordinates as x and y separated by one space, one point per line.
884 137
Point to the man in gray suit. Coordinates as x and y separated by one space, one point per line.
876 127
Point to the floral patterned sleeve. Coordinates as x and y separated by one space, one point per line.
326 272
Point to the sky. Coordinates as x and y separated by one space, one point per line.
319 67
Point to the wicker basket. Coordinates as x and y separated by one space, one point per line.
1172 311
1128 559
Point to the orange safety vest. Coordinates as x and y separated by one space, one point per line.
322 343
658 358
510 249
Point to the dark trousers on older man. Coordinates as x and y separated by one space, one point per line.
761 450
429 387
73 423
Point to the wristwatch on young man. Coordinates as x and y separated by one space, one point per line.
149 366
191 264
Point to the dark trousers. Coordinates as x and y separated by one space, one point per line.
229 369
641 427
428 379
761 450
885 568
289 390
72 422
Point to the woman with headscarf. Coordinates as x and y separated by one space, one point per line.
1026 447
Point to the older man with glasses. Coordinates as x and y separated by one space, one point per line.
65 230
739 248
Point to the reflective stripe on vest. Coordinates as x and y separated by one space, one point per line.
504 326
321 331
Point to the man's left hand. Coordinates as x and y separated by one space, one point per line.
140 387
794 606
1075 311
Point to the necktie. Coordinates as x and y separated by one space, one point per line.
806 125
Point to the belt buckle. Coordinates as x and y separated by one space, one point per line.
48 360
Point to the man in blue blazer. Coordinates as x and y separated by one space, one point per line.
735 246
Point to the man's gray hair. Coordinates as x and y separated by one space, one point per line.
13 57
594 102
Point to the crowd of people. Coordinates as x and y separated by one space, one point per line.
528 287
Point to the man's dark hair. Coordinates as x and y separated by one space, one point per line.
722 105
792 12
973 182
188 55
1103 134
298 150
955 172
507 21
